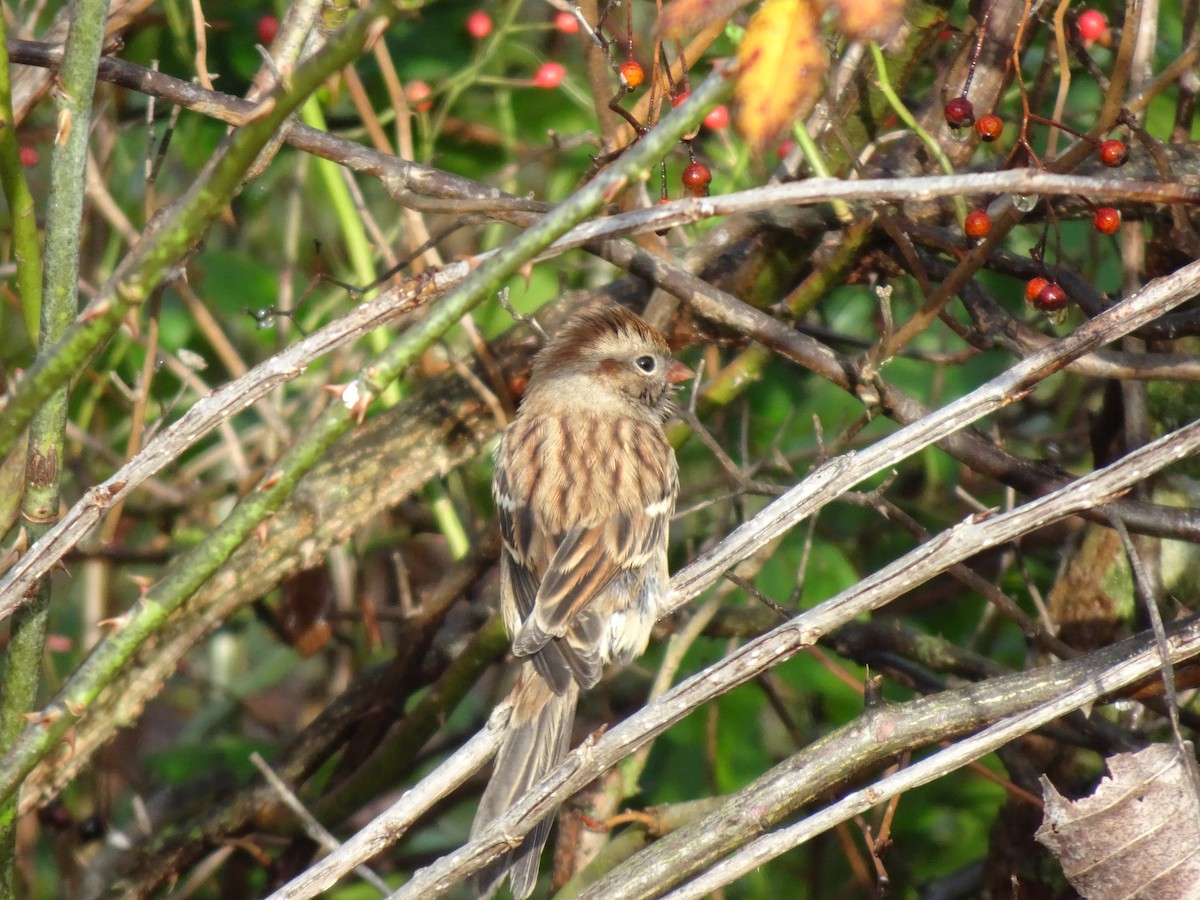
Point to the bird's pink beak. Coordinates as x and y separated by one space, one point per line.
677 372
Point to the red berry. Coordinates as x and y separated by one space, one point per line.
632 73
718 118
566 23
29 156
977 224
1114 153
1093 26
479 24
268 27
696 179
680 97
549 75
417 94
785 148
1107 220
989 127
960 113
1033 288
1051 298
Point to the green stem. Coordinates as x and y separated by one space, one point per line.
193 568
26 249
449 524
816 162
354 233
461 81
898 107
39 506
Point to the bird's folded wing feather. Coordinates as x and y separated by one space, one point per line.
554 578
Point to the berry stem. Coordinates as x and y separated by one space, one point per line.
1051 123
628 29
977 51
1064 76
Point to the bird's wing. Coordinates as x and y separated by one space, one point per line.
553 575
557 663
585 563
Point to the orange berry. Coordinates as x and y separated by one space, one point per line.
1033 288
989 127
632 73
977 224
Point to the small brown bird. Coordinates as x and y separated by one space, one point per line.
585 487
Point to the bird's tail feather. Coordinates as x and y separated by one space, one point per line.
537 739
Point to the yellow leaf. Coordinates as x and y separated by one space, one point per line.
781 63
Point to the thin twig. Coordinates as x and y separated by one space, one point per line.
314 829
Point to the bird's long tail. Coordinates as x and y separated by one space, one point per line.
537 739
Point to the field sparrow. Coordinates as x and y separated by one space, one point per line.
585 486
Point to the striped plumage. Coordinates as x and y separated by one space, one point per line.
585 486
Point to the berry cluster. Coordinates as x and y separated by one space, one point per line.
1045 295
630 73
1042 293
696 176
1089 27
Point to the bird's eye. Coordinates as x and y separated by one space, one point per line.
646 363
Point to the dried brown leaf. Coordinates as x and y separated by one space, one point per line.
1137 835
